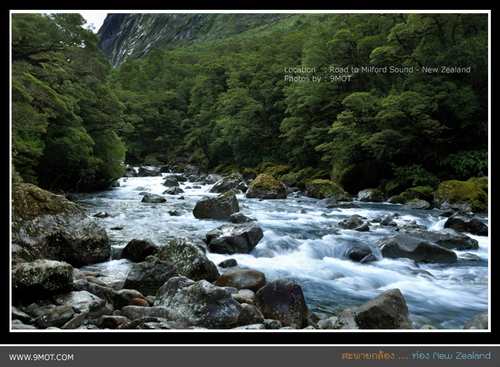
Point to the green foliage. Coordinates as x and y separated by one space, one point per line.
65 117
225 102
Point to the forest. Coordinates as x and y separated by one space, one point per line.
382 100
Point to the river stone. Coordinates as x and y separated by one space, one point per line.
283 300
56 316
386 311
466 222
189 259
321 189
266 187
138 249
153 198
232 182
204 304
234 238
249 315
405 246
149 275
242 279
480 321
149 171
448 238
137 312
41 278
48 226
461 195
416 204
80 301
171 181
219 207
371 195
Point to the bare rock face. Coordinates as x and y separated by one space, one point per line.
48 226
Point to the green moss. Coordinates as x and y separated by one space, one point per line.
461 193
322 188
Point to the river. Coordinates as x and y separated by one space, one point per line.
303 241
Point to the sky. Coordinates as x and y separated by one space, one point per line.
95 17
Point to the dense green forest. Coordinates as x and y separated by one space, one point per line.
368 100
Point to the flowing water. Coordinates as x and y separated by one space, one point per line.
303 242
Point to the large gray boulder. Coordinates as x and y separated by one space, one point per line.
189 258
204 304
41 278
48 226
219 207
149 275
234 238
386 311
283 300
405 246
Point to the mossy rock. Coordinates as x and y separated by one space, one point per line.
321 189
461 195
266 187
48 226
277 171
482 182
418 192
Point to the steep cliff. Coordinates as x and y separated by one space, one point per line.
125 36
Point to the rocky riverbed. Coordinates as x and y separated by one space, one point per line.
204 256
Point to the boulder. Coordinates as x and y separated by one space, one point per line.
173 191
352 222
242 279
283 300
219 207
266 187
153 198
234 238
232 182
466 222
189 258
149 275
171 181
404 246
41 278
371 195
204 304
461 195
448 238
480 321
138 249
362 253
48 226
240 218
137 312
149 171
56 316
416 204
250 315
386 311
321 189
81 301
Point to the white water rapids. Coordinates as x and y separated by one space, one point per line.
303 241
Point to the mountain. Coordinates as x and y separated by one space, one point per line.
124 36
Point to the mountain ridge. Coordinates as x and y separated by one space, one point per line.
131 35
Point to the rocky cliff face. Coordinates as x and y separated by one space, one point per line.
125 36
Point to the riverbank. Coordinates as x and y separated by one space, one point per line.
306 242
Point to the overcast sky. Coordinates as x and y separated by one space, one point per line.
95 17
